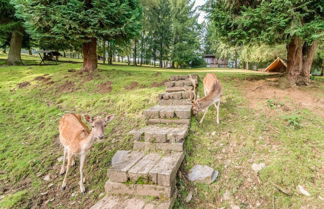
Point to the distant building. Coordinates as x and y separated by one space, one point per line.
212 61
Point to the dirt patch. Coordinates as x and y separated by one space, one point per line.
105 87
71 70
23 84
42 78
267 91
68 86
132 85
158 84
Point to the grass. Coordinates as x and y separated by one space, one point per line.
289 143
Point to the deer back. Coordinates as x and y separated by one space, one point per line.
72 131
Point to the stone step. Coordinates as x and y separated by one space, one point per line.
168 112
183 77
175 102
129 202
161 134
153 169
177 95
115 188
168 121
149 146
177 89
179 83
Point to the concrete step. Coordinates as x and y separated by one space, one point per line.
168 112
153 169
129 202
176 95
115 188
149 146
161 134
168 121
177 89
183 77
175 102
179 83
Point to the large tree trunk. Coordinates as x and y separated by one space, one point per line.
90 59
308 57
294 62
161 55
300 57
14 56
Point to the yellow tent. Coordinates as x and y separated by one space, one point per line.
277 66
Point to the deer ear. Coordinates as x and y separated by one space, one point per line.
109 118
88 118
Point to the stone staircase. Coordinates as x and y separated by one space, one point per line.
145 177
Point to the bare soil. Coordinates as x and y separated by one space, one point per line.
23 84
68 86
259 92
158 84
104 87
132 85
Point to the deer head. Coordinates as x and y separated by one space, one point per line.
98 124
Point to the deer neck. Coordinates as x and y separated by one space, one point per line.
88 141
209 99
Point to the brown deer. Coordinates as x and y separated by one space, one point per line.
212 91
77 139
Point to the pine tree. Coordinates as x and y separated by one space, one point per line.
297 23
11 32
82 22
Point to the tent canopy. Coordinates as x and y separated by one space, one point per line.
278 65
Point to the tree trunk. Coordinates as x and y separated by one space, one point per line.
14 56
247 65
104 51
294 56
90 60
308 57
128 60
5 50
300 58
161 55
135 53
30 52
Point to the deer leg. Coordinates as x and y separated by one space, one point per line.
69 154
82 180
63 165
202 119
218 105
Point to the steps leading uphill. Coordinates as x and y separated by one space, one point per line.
145 177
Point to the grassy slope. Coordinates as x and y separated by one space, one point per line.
29 147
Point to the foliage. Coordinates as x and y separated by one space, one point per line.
72 22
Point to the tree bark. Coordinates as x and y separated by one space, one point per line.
135 53
14 56
300 58
294 56
161 55
90 60
308 57
104 51
30 52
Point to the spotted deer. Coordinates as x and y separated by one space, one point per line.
212 91
77 139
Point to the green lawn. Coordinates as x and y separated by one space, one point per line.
290 143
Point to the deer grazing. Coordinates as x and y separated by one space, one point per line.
77 139
212 91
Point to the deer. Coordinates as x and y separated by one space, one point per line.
77 139
212 91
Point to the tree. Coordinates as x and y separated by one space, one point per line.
186 32
82 21
11 32
297 23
